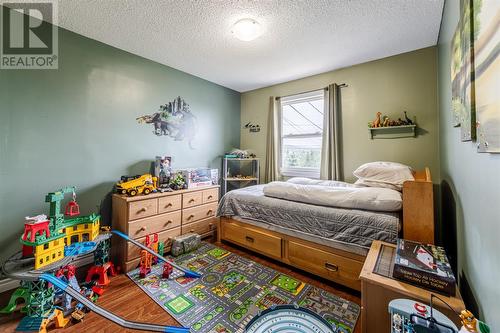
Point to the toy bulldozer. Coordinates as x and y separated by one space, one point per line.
144 184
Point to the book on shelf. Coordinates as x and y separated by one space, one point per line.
425 266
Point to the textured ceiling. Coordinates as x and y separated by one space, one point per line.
301 38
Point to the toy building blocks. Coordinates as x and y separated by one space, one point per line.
50 244
144 184
167 270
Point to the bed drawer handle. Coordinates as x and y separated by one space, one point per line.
331 267
249 239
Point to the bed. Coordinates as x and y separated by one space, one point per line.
327 241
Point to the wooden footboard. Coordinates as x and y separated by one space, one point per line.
418 208
336 265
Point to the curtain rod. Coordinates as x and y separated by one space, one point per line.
341 85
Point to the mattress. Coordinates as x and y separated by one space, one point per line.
351 230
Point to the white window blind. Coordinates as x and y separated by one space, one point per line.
301 134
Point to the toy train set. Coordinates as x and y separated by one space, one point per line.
49 289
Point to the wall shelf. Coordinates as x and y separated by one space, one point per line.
393 132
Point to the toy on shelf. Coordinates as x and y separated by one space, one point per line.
386 121
178 182
132 186
377 121
49 245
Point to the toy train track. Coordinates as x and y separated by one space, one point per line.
288 318
19 268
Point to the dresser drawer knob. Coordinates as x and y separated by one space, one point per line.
190 217
191 200
168 205
143 229
209 212
331 267
210 197
191 230
143 209
168 222
249 239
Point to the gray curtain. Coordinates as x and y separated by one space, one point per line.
330 152
272 172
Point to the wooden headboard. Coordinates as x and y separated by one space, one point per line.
418 208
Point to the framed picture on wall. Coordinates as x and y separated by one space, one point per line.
487 73
462 74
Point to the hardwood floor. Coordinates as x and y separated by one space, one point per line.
125 299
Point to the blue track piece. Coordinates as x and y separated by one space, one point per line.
79 248
105 313
187 272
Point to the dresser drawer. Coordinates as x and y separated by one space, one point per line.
142 208
198 213
260 242
192 199
164 236
200 227
336 267
169 203
143 227
211 195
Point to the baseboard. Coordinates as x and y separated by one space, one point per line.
7 284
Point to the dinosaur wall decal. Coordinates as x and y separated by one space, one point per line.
173 119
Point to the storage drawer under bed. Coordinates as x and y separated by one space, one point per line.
329 265
253 239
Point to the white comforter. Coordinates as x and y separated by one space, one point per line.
367 198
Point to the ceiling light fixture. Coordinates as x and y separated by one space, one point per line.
246 29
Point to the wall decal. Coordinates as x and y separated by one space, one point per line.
487 74
173 119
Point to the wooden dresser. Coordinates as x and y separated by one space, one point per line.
168 214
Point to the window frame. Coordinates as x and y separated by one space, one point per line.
295 99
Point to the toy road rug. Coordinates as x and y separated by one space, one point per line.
233 290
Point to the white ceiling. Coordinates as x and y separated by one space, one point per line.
301 38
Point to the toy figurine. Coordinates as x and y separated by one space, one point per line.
376 122
408 120
386 121
167 270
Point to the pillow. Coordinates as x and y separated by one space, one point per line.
383 174
372 183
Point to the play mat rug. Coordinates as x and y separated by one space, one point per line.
233 290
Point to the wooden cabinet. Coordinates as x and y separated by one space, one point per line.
378 288
168 214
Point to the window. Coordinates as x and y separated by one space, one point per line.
301 134
45 246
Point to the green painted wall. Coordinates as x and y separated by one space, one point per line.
76 126
390 85
473 181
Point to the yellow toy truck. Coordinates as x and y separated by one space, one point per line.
132 186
